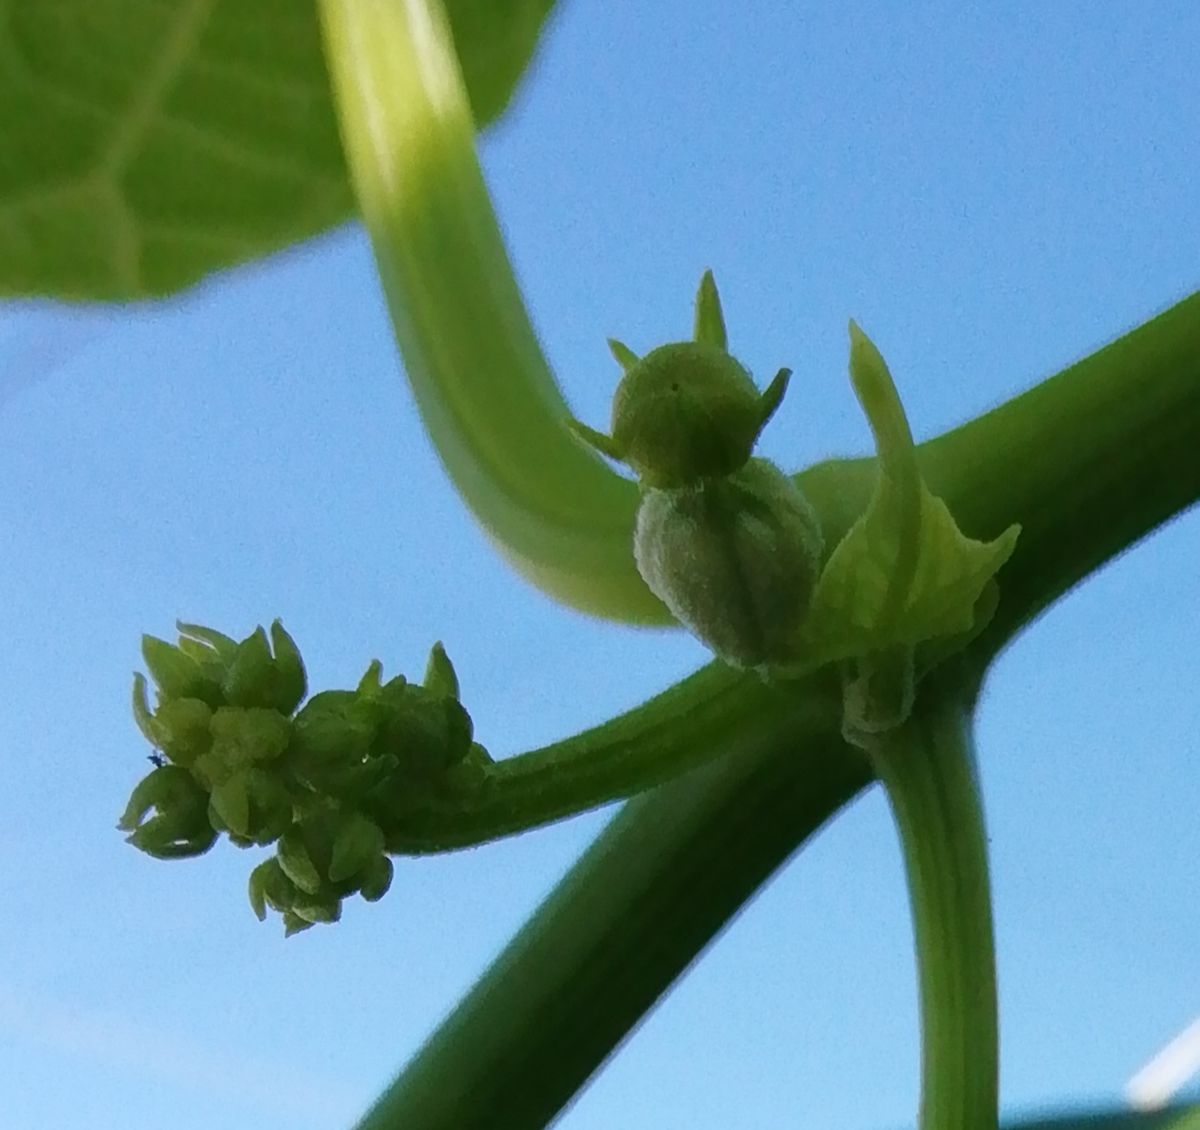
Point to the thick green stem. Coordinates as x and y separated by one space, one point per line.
928 770
641 903
486 394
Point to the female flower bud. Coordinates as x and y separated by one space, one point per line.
734 559
686 411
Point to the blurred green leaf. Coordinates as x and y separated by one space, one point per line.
145 145
1172 1118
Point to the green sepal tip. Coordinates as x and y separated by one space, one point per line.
710 319
440 677
297 864
622 354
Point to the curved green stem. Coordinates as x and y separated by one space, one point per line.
486 394
927 768
717 712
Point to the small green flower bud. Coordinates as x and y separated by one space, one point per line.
294 924
176 673
734 559
425 732
377 880
269 886
357 843
271 808
180 826
229 805
315 910
248 680
297 863
291 683
245 736
255 677
182 726
332 736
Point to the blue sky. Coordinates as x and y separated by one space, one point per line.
992 194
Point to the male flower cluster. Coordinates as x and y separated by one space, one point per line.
236 758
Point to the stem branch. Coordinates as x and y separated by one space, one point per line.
487 396
927 768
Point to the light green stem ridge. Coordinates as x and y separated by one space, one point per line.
485 392
928 770
717 712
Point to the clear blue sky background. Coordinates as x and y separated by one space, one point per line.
992 194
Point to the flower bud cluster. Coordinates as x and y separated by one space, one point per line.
236 758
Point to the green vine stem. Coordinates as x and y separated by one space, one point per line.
716 713
928 771
486 394
656 885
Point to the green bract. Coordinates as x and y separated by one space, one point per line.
324 786
905 587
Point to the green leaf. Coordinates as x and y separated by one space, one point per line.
230 801
144 145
